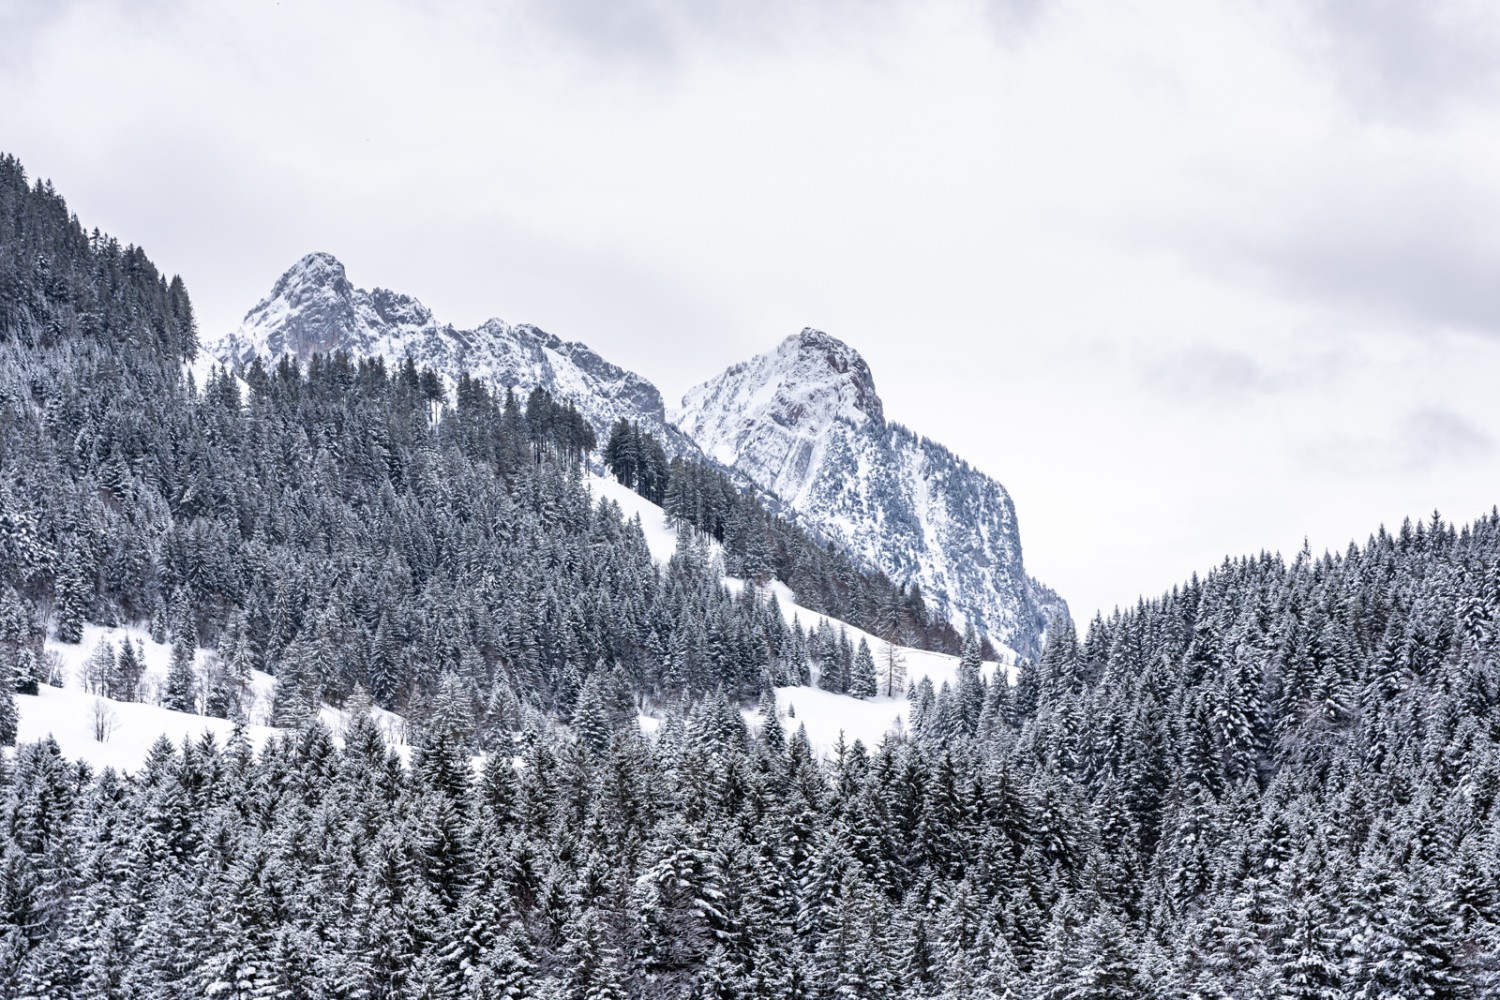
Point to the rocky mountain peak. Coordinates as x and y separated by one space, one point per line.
393 307
804 422
312 308
317 268
817 366
808 383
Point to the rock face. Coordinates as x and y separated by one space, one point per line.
314 308
804 421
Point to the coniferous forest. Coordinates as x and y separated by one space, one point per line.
1279 780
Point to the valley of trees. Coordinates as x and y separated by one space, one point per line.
1280 780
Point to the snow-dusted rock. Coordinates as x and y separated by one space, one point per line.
805 422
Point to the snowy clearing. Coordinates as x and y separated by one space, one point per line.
73 716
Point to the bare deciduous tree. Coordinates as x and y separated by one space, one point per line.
892 669
102 720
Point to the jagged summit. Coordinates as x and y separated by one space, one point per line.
315 308
317 268
804 421
828 361
775 409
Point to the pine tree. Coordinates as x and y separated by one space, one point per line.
159 625
592 967
862 683
9 715
129 666
969 690
181 692
72 597
680 900
1310 970
771 732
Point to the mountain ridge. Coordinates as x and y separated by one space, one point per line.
314 308
803 423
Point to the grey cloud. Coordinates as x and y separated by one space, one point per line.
1421 251
659 33
1014 20
1409 61
1434 435
25 26
1202 371
21 24
1419 442
1205 372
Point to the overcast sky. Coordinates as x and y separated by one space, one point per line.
1189 278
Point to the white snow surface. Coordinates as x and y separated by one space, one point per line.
661 538
804 421
67 713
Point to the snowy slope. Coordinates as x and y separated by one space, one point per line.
67 713
825 714
661 538
805 422
315 308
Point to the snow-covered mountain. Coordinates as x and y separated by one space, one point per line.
805 422
315 308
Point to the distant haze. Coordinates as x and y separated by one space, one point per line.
1190 279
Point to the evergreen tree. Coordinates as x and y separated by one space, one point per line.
72 597
9 716
862 681
181 692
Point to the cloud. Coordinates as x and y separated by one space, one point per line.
1395 244
1416 442
20 25
1014 20
662 34
1410 62
1206 372
1435 435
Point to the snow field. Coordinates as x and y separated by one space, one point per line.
71 715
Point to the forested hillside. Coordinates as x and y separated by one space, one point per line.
1279 780
340 526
